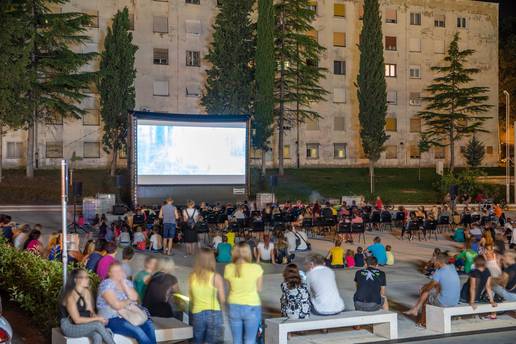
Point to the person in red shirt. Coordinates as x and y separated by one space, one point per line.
379 203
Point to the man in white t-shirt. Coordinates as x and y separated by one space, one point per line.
322 286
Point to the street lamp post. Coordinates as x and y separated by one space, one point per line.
507 164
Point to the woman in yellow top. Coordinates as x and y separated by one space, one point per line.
336 255
206 296
245 282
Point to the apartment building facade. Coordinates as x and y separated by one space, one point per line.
173 37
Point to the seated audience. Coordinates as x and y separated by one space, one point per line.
492 261
458 235
139 239
370 292
478 286
506 286
429 267
465 258
295 298
390 255
124 239
92 260
142 278
20 238
156 241
378 250
224 251
265 251
127 255
217 239
33 244
350 258
359 257
281 250
106 261
335 256
159 296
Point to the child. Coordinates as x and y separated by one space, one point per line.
124 239
350 259
224 251
429 268
295 299
466 258
390 256
458 235
156 241
127 255
335 255
142 278
139 238
231 237
359 257
217 239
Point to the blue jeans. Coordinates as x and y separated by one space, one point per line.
244 322
144 334
208 327
169 230
507 295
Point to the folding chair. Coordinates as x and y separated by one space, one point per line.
431 226
360 229
385 220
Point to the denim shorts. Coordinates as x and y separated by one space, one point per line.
208 327
169 230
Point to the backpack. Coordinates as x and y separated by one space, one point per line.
190 222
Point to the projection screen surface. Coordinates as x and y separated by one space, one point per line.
190 153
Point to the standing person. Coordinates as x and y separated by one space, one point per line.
76 308
322 285
379 203
190 237
379 251
245 283
442 291
106 261
206 297
295 298
142 278
116 294
478 285
491 261
370 283
169 215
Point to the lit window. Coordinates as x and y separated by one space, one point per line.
339 67
489 150
193 58
415 72
160 56
94 20
255 153
390 70
391 16
339 10
91 150
391 152
461 22
392 97
286 151
414 98
415 44
415 18
131 21
54 150
339 123
312 150
14 150
160 24
339 151
391 124
339 39
339 95
160 88
312 5
313 34
414 152
440 20
390 43
415 125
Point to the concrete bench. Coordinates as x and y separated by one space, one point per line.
385 324
167 330
438 319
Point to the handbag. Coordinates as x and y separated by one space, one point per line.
133 314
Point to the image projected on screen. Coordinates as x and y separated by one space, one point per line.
191 154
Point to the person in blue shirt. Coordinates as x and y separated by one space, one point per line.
442 291
224 251
378 251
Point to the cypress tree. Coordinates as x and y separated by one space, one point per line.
453 109
474 152
372 88
229 85
265 68
116 85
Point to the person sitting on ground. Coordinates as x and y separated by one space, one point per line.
265 251
251 241
33 244
106 261
142 278
156 241
378 250
466 258
350 258
281 250
224 251
335 256
217 239
55 251
117 296
295 298
476 231
139 239
370 292
324 293
429 267
124 239
92 260
442 291
390 255
159 296
78 318
505 286
458 235
478 286
127 255
359 257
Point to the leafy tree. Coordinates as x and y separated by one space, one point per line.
297 54
116 85
229 86
372 89
56 81
265 67
453 109
474 152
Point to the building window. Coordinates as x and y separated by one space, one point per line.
438 152
160 24
312 150
255 153
193 27
94 20
91 150
312 5
193 2
391 124
415 45
312 124
339 10
14 150
91 117
390 43
313 34
339 151
440 20
391 152
339 67
439 47
339 95
160 88
54 150
391 16
461 22
339 39
462 149
193 58
286 151
415 125
415 72
414 152
415 18
415 98
489 150
390 70
392 97
56 119
193 90
131 21
160 56
339 123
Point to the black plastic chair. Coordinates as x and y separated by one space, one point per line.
413 226
344 227
385 220
358 228
431 226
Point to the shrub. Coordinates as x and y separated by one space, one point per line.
467 182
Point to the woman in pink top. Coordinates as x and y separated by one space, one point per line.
33 244
106 261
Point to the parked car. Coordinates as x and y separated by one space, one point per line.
6 331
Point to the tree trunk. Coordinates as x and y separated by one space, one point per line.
112 171
298 155
419 169
264 163
1 150
29 167
371 175
452 153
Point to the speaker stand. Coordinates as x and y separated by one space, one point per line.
74 227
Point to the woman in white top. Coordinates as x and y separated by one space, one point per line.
265 251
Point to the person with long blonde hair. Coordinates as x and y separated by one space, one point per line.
206 297
245 283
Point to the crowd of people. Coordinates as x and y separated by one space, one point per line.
243 238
